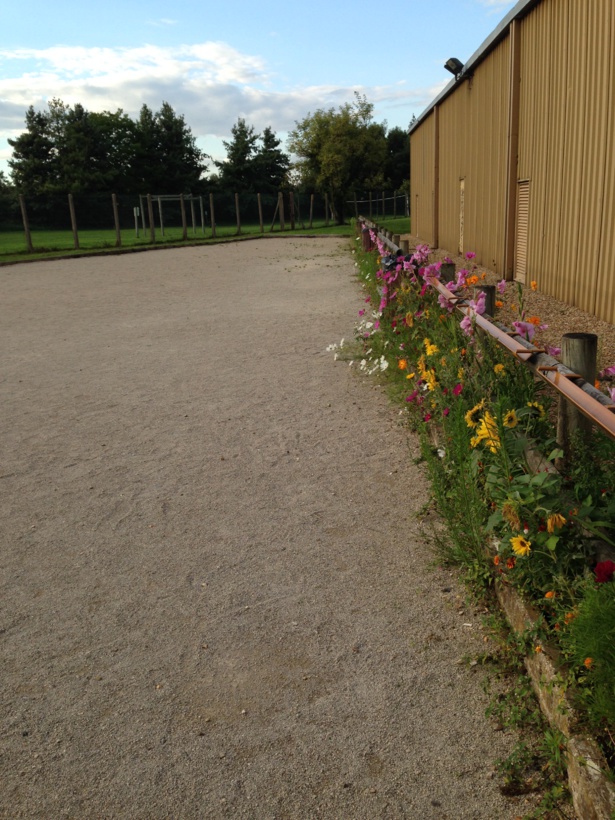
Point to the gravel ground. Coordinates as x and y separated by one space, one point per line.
217 596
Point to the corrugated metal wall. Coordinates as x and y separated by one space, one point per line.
422 186
473 146
566 153
565 148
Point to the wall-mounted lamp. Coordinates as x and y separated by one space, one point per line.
454 65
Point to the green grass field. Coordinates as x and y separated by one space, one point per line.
50 244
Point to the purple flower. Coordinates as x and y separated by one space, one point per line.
478 304
554 351
501 286
608 371
466 324
526 329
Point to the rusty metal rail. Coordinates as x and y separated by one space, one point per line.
597 407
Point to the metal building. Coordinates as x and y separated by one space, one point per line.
515 159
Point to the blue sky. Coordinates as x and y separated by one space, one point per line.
215 62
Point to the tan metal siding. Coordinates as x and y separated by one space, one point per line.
473 141
565 123
422 162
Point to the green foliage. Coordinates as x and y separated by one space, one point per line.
254 162
487 440
70 150
340 151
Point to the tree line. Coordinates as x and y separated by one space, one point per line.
67 149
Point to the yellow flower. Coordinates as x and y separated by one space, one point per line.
402 364
538 407
510 419
521 545
555 522
410 376
409 318
430 378
533 284
488 431
460 374
430 350
472 416
498 369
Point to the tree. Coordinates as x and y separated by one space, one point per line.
397 164
340 151
72 150
237 171
271 164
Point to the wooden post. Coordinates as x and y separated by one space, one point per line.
383 205
142 212
150 219
370 204
116 220
396 239
260 212
26 223
213 216
356 206
292 210
405 246
160 216
394 204
73 221
579 353
488 290
311 209
281 203
237 214
327 210
447 272
202 215
182 206
192 215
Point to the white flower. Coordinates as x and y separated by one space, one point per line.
331 348
383 363
441 452
342 344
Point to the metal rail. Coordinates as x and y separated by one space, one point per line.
597 407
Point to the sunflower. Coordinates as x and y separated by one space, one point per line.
472 417
510 419
520 545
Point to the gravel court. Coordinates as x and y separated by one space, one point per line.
217 597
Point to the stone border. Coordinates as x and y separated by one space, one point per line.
593 793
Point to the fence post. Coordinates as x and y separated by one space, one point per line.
182 206
73 221
116 220
26 224
160 215
192 215
260 212
292 210
370 205
579 353
213 216
150 217
281 204
237 214
202 215
311 209
327 210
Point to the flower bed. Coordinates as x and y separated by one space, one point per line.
481 416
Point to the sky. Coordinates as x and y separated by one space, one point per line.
217 62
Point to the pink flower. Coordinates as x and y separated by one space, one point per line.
470 255
376 324
501 286
526 329
466 324
362 313
412 395
427 417
369 299
604 572
554 351
612 393
608 371
478 304
457 389
446 411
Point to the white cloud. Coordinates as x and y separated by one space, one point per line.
211 84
